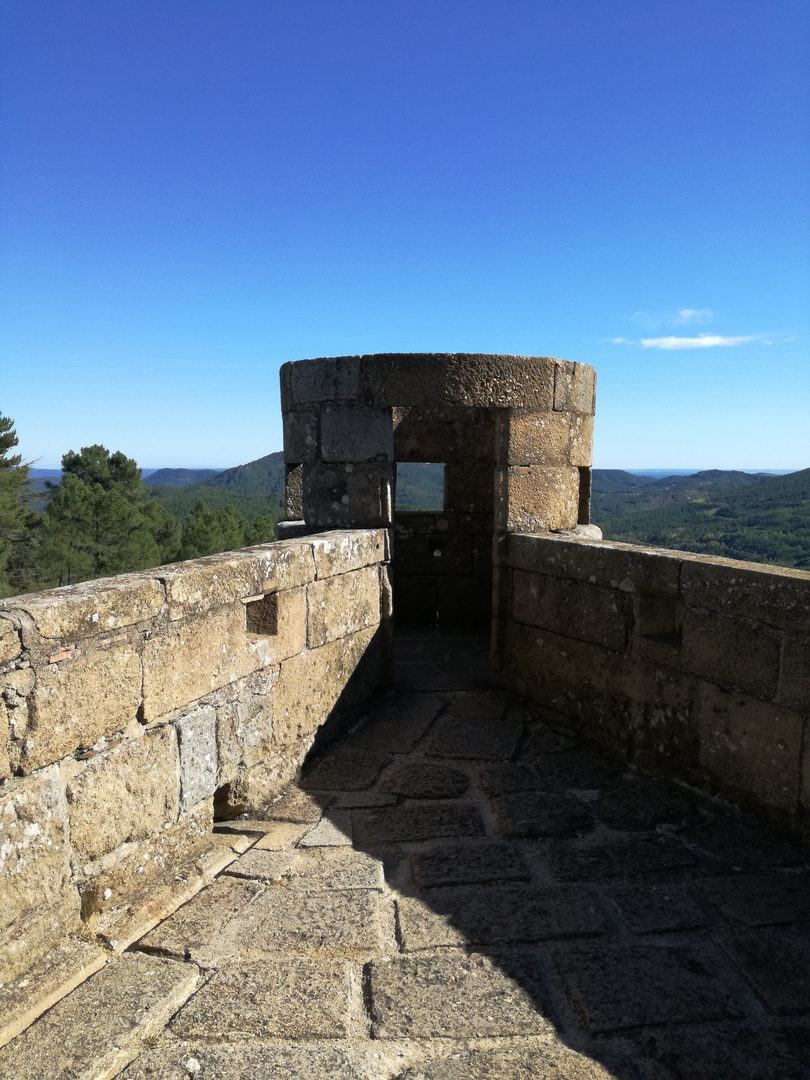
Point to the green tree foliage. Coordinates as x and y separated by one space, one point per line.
14 516
207 531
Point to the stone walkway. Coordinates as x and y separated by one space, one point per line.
462 889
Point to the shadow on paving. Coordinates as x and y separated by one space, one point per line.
539 885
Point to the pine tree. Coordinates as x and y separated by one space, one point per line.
13 512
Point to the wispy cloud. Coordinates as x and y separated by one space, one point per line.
652 320
687 316
702 341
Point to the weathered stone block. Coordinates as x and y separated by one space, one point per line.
574 387
10 641
340 551
533 438
196 587
437 554
444 435
279 625
95 607
533 498
78 701
733 653
794 674
191 658
351 432
342 605
776 595
300 436
751 746
293 495
469 489
311 684
34 867
573 609
245 722
580 447
323 379
345 495
197 738
124 794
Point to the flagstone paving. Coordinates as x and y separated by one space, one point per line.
461 888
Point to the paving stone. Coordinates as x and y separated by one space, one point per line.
284 834
455 864
356 800
742 845
509 778
482 705
626 859
550 1060
457 995
581 769
534 813
296 806
314 870
332 831
423 781
189 930
290 922
344 770
651 908
474 737
618 988
711 1051
298 998
641 805
94 1031
414 821
258 1060
397 724
760 899
505 914
540 741
777 962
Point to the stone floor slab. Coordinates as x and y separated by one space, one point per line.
481 863
618 988
297 998
344 769
760 899
424 781
474 738
595 862
456 995
652 908
96 1030
397 723
313 870
493 915
295 805
551 1060
414 821
777 963
535 813
333 830
641 805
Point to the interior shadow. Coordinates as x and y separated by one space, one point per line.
540 887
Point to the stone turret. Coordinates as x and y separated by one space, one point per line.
514 434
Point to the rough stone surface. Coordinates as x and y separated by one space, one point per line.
92 608
314 870
125 794
423 781
416 821
533 813
345 770
197 736
342 605
534 498
296 998
98 1028
10 643
777 963
759 899
474 737
454 995
78 701
546 1060
482 863
356 433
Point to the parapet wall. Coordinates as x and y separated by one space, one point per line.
129 704
692 666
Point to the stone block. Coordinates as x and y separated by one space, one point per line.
260 1060
457 996
300 436
79 700
549 1060
437 554
469 489
618 988
573 608
296 998
580 446
772 898
483 863
537 813
347 495
343 605
334 831
124 794
414 820
351 432
311 685
777 962
95 607
340 551
654 908
5 764
193 657
533 498
245 722
396 723
293 498
574 387
423 781
100 1027
450 435
482 738
733 653
659 856
344 768
533 438
279 623
197 738
10 640
323 379
751 746
626 567
411 523
774 595
313 870
195 587
793 690
34 865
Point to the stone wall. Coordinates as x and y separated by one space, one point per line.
690 665
130 705
514 434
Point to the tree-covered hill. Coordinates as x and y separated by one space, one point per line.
255 490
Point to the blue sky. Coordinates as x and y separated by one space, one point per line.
193 192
